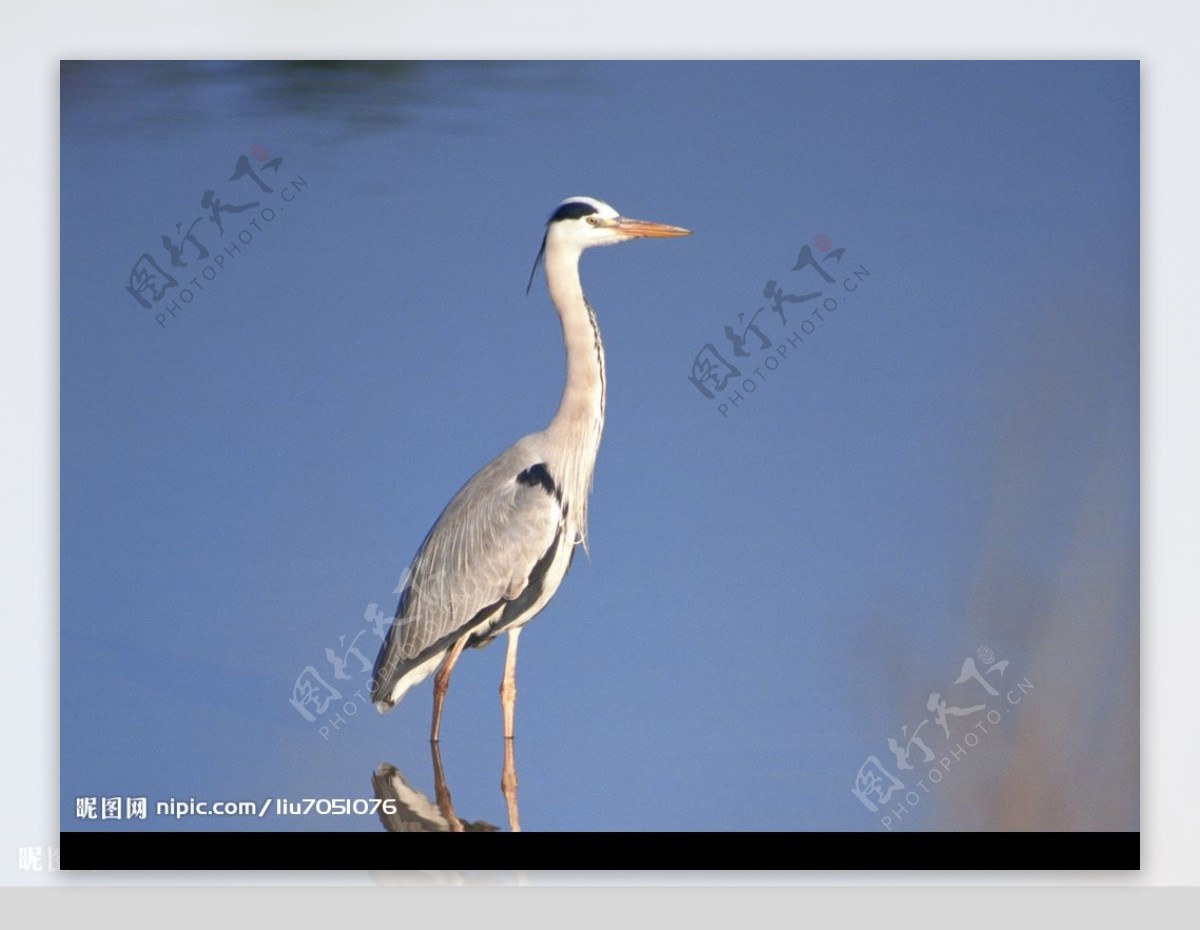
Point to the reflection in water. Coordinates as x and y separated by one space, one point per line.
411 811
508 784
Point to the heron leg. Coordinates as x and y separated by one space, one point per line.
508 687
441 684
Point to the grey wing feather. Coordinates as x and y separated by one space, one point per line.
477 557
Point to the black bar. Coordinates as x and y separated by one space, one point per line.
854 852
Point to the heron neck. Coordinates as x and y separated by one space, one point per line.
576 428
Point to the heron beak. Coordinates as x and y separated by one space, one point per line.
644 229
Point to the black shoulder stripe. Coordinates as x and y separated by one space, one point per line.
538 474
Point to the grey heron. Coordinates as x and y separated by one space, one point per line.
500 549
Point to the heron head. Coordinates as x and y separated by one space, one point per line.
581 222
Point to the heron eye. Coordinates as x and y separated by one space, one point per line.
593 221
